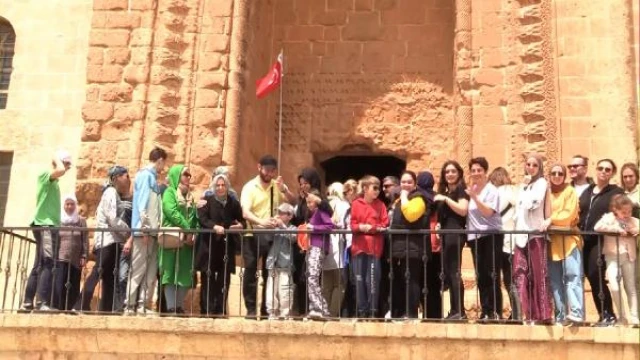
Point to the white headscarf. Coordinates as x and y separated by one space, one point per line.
65 218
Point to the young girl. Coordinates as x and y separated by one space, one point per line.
620 253
368 217
320 246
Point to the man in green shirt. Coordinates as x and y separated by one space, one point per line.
48 209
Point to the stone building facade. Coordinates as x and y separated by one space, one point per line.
420 80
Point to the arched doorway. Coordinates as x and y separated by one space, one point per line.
343 167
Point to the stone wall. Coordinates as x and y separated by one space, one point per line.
157 76
373 73
513 96
69 337
597 80
46 93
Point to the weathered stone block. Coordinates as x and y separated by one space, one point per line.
116 93
215 81
216 43
115 19
218 7
304 32
210 61
362 26
141 37
95 56
363 5
117 56
91 131
136 74
109 38
406 12
330 18
206 98
143 4
213 117
110 4
93 92
98 111
104 73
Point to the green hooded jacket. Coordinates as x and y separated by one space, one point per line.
177 210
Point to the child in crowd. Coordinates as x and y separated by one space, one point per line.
368 217
320 246
620 253
280 286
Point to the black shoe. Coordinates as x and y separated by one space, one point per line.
251 315
25 308
484 317
606 320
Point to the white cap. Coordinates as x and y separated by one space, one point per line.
63 156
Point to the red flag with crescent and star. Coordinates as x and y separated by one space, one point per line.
271 81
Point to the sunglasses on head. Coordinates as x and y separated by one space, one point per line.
604 168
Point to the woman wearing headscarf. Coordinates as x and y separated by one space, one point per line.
72 255
533 213
112 232
565 267
215 255
410 253
432 309
178 211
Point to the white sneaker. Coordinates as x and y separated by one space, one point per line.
129 312
144 311
315 314
574 319
387 316
632 320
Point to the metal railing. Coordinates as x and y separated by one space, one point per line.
203 274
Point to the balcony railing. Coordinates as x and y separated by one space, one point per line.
262 273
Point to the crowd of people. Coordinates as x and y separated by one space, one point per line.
394 256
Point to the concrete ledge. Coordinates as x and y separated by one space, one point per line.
136 337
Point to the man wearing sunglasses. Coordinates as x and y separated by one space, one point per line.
578 168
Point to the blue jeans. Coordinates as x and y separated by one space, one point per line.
367 274
566 285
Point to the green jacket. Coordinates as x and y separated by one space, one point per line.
177 210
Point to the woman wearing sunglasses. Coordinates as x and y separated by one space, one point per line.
594 202
565 267
533 213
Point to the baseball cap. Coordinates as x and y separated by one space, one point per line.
268 160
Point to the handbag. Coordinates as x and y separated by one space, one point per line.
172 239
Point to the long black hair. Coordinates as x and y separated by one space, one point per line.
443 186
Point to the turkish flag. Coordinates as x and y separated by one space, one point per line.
270 82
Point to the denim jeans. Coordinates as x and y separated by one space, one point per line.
566 285
367 273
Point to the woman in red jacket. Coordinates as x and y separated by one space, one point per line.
368 218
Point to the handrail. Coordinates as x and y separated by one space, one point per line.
14 234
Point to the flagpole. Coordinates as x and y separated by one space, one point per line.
280 112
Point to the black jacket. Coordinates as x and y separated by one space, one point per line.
417 245
210 248
302 214
592 209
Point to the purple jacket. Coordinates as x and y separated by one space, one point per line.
321 221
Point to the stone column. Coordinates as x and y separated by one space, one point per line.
463 61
